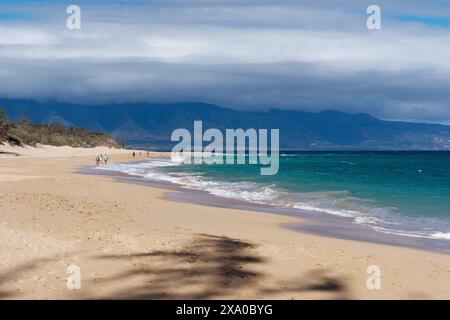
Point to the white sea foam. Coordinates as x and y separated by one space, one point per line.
441 235
247 191
342 213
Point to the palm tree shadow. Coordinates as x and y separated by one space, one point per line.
206 268
209 267
315 281
15 273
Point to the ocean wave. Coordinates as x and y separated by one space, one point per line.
441 235
290 155
246 191
415 234
342 213
140 168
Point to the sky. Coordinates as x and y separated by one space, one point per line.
242 54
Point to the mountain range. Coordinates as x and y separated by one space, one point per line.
151 124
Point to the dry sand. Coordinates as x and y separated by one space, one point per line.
129 242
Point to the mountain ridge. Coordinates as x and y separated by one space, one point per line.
151 124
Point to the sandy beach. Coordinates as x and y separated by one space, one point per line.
130 243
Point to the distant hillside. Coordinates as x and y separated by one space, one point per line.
22 132
151 124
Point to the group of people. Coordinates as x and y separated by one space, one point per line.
140 154
102 158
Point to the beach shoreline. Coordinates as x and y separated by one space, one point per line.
131 242
316 223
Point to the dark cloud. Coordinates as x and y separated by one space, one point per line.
249 55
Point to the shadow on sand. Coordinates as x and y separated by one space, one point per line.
209 267
15 273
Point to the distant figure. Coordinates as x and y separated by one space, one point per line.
148 154
140 154
106 158
97 159
134 154
101 158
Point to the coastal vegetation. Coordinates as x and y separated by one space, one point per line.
23 132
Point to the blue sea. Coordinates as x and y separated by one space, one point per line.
405 193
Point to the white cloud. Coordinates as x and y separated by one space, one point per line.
25 36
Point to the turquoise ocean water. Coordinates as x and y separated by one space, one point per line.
404 193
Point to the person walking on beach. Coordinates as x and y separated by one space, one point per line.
106 158
148 154
134 154
101 158
97 160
